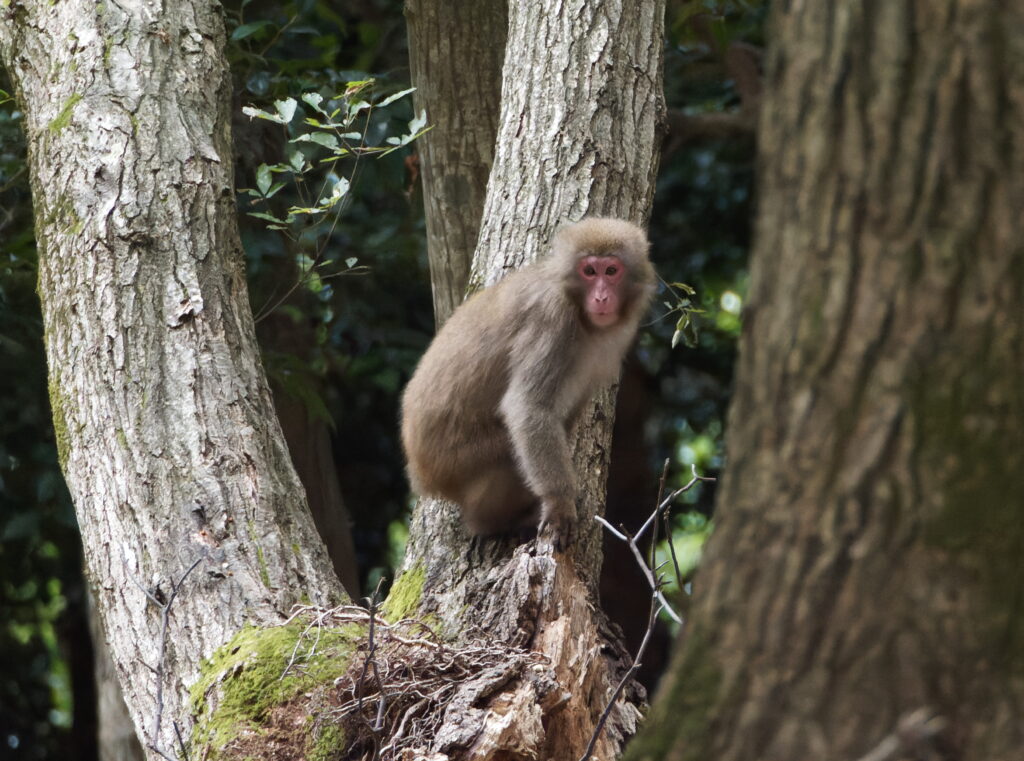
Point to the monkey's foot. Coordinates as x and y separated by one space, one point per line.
560 530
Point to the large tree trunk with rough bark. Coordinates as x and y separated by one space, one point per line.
193 521
581 115
456 51
867 557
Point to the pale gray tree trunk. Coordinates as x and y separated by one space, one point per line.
867 558
164 422
456 49
581 117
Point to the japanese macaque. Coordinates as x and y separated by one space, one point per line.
486 416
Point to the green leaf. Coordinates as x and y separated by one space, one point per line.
690 334
258 113
265 217
326 139
353 87
250 29
392 98
313 99
417 127
313 282
339 191
263 178
286 109
354 109
351 262
418 123
297 161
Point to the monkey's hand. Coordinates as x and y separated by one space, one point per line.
558 522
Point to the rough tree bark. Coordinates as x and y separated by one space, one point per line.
164 422
581 115
456 51
867 557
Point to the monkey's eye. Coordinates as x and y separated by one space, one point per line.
611 270
589 270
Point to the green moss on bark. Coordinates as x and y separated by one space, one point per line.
260 670
60 426
63 119
260 559
971 446
404 598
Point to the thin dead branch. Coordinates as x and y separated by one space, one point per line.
658 601
912 737
164 607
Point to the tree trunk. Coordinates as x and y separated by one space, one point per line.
164 421
867 557
582 111
116 732
309 443
455 55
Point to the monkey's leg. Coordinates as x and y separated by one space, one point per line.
497 501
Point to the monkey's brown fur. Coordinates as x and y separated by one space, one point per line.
486 415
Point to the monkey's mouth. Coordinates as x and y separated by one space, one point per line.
602 319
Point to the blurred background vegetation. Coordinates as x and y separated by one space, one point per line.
364 315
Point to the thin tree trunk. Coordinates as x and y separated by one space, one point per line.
581 115
164 422
309 444
867 557
456 51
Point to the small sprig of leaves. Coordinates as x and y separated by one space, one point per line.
336 125
686 324
327 138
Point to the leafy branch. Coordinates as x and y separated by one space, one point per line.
337 126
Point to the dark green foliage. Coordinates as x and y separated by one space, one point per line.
364 316
700 235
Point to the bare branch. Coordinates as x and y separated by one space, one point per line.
158 670
630 673
914 731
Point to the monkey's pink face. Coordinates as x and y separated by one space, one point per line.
602 285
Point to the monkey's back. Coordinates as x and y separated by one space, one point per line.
450 406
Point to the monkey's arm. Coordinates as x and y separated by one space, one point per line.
535 411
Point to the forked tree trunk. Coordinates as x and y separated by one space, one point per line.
456 49
581 115
164 422
867 557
